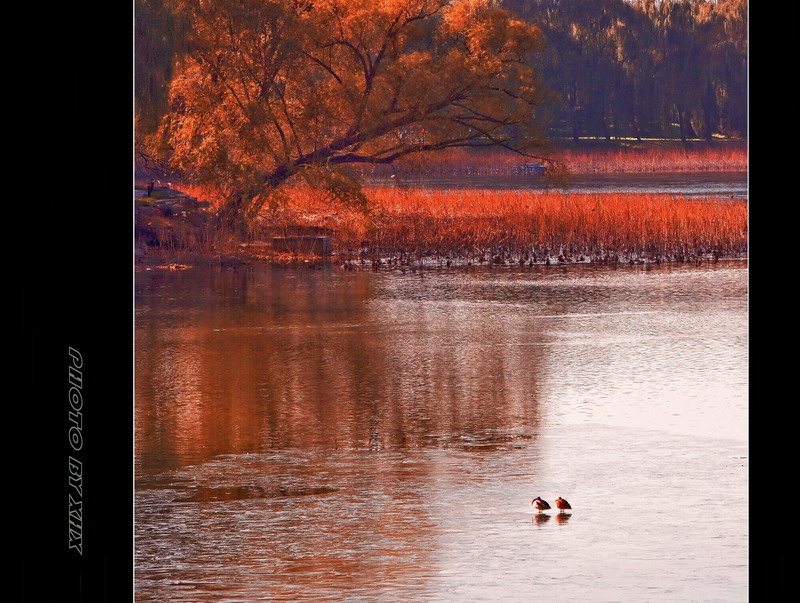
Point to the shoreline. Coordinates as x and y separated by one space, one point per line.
420 239
422 226
187 260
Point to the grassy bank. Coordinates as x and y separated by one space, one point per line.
410 224
476 226
515 226
655 158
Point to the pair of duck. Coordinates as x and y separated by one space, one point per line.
541 505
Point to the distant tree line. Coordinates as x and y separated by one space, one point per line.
643 68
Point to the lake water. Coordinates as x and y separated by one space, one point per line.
692 184
331 435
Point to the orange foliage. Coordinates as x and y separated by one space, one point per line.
269 89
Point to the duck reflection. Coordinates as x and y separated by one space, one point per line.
541 518
563 518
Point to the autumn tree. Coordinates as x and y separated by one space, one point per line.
268 88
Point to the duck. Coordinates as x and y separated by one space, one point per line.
562 504
540 504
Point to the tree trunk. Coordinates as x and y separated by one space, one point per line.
709 113
231 216
636 131
681 121
240 210
574 111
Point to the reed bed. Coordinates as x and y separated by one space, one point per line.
502 226
668 159
631 158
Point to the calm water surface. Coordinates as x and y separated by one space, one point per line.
686 184
322 435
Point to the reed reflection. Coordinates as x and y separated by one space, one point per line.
344 520
330 435
275 359
294 412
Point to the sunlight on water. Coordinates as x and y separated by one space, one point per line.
328 436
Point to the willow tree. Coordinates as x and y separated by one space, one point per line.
268 88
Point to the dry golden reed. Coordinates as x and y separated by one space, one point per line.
524 226
655 157
514 226
671 158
